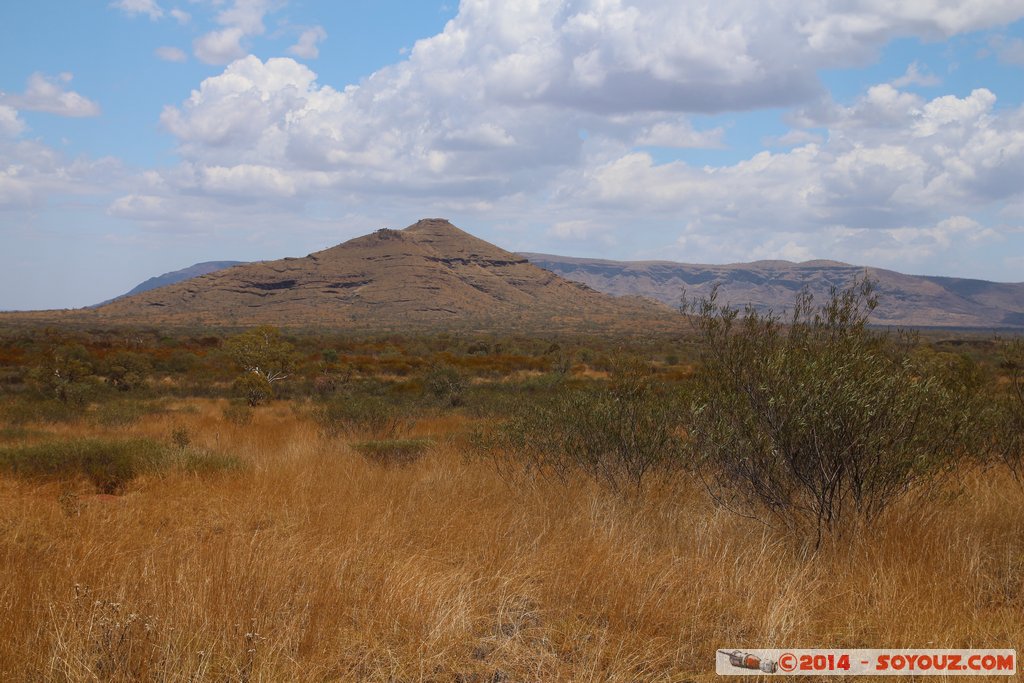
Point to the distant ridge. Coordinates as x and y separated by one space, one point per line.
905 300
429 275
175 276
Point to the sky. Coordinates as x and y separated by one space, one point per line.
142 136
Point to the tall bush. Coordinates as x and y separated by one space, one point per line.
818 419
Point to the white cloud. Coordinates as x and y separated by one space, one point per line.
137 206
377 136
792 138
577 229
243 18
135 7
48 94
246 15
171 54
10 124
914 75
620 55
306 46
891 159
219 47
32 173
915 183
181 16
680 134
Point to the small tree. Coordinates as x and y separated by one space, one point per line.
804 423
127 370
67 375
617 433
265 358
446 383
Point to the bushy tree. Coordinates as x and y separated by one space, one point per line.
265 357
127 370
446 383
67 375
818 418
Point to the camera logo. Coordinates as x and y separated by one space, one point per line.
744 660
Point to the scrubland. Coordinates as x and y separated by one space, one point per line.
312 562
265 507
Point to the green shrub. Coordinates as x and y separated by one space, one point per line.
362 414
181 437
807 423
22 411
616 432
127 370
119 413
109 464
393 451
253 388
67 375
16 433
445 383
197 461
238 414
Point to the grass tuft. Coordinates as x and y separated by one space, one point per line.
393 451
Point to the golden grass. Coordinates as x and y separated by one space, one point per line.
314 564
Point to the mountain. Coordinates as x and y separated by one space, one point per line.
175 276
904 300
429 275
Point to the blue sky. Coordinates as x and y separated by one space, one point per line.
141 136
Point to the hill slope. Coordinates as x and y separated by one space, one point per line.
907 300
175 276
430 275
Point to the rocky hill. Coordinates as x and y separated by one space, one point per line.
429 275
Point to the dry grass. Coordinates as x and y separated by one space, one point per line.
315 564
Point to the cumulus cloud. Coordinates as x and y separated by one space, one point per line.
882 188
171 54
306 46
219 47
10 124
619 55
243 18
181 16
375 136
44 93
136 7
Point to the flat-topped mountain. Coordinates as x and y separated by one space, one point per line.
904 300
429 275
